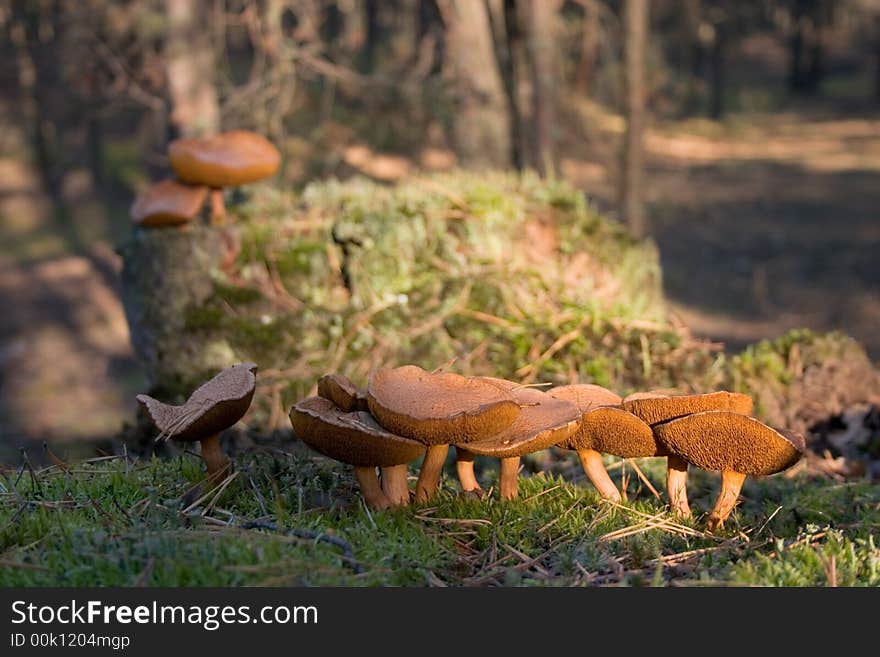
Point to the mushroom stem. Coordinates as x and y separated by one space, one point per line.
731 485
509 483
214 458
394 485
591 460
464 465
370 488
218 207
676 485
432 470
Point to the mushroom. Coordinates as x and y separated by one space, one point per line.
168 203
355 438
339 389
661 408
605 428
734 444
212 408
464 460
542 422
437 409
654 408
228 159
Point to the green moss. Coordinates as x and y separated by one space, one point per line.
118 523
235 294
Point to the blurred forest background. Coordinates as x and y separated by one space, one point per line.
742 137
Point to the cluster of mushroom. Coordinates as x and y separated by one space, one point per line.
407 413
205 166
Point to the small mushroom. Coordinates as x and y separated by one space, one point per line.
228 159
605 428
212 408
734 444
168 203
356 439
661 408
437 409
339 389
654 408
542 422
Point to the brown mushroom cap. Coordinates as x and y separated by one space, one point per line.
661 409
225 160
650 394
586 396
353 438
612 430
542 422
168 203
439 409
724 440
339 389
213 407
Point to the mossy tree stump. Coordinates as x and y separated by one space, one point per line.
167 273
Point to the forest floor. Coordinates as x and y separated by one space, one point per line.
116 521
764 222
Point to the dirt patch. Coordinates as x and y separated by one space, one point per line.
65 359
764 224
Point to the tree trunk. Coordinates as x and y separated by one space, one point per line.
796 57
877 57
589 50
190 69
372 36
692 18
719 72
280 68
542 65
481 123
513 54
635 22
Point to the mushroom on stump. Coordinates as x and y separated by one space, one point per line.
734 444
228 159
437 409
605 428
168 203
654 408
212 408
356 439
543 421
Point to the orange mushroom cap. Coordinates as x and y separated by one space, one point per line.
168 203
213 407
439 409
353 438
224 160
661 409
727 441
543 421
339 389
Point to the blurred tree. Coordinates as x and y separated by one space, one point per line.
635 35
542 15
191 69
510 44
810 20
481 119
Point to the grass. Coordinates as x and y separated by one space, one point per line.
116 521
